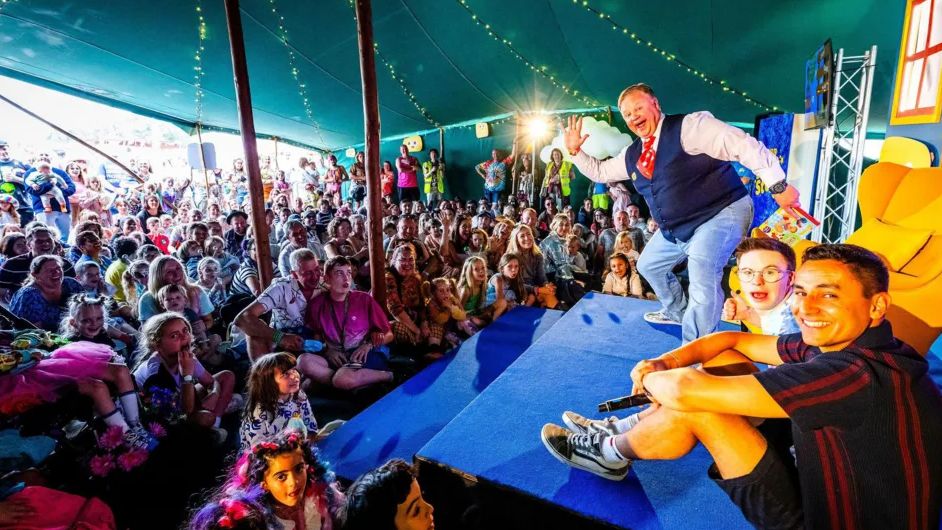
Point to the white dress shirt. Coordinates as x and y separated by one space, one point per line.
700 133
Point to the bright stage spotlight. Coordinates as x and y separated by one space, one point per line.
537 127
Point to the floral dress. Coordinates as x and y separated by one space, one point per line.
263 425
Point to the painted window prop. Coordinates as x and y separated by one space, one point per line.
918 94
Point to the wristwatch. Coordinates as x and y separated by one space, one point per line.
778 187
189 379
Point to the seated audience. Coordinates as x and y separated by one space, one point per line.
297 238
354 330
532 271
167 270
45 297
507 285
286 299
168 366
297 489
404 303
41 241
275 401
387 497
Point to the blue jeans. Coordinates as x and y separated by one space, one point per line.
492 196
61 220
707 253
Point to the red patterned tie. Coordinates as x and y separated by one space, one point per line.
648 154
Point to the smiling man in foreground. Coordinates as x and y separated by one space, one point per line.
866 417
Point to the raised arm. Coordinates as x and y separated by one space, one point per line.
611 170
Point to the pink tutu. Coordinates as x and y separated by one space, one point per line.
41 383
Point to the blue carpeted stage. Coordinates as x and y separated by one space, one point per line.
583 360
473 420
400 423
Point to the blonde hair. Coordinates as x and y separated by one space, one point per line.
623 239
77 304
167 290
153 330
156 273
466 284
513 247
558 218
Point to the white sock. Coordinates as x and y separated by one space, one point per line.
625 424
128 402
113 419
610 452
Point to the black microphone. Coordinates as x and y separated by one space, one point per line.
624 402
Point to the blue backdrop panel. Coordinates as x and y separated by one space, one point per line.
583 360
401 422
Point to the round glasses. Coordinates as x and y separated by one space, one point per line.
768 274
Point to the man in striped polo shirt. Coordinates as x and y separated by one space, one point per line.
866 417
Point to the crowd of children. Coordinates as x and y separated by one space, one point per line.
155 313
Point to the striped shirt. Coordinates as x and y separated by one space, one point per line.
866 422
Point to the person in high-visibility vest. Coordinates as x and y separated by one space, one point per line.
433 171
556 182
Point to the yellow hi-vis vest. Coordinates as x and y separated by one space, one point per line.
565 170
438 176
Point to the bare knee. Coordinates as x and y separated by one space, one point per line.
225 379
345 379
661 435
94 388
120 375
203 418
315 368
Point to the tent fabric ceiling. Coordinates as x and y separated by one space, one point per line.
141 55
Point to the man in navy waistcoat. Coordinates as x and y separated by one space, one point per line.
681 165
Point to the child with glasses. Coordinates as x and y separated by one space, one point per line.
766 270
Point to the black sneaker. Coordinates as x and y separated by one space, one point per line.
582 451
581 425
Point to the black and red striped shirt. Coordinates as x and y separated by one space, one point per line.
867 425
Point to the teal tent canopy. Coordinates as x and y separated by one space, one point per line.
440 61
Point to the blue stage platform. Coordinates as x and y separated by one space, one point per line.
473 421
402 422
583 360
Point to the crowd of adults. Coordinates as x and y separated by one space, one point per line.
164 274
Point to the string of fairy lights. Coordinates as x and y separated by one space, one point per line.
398 78
296 72
541 70
198 69
670 57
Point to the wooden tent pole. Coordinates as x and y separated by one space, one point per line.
32 114
364 12
240 72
